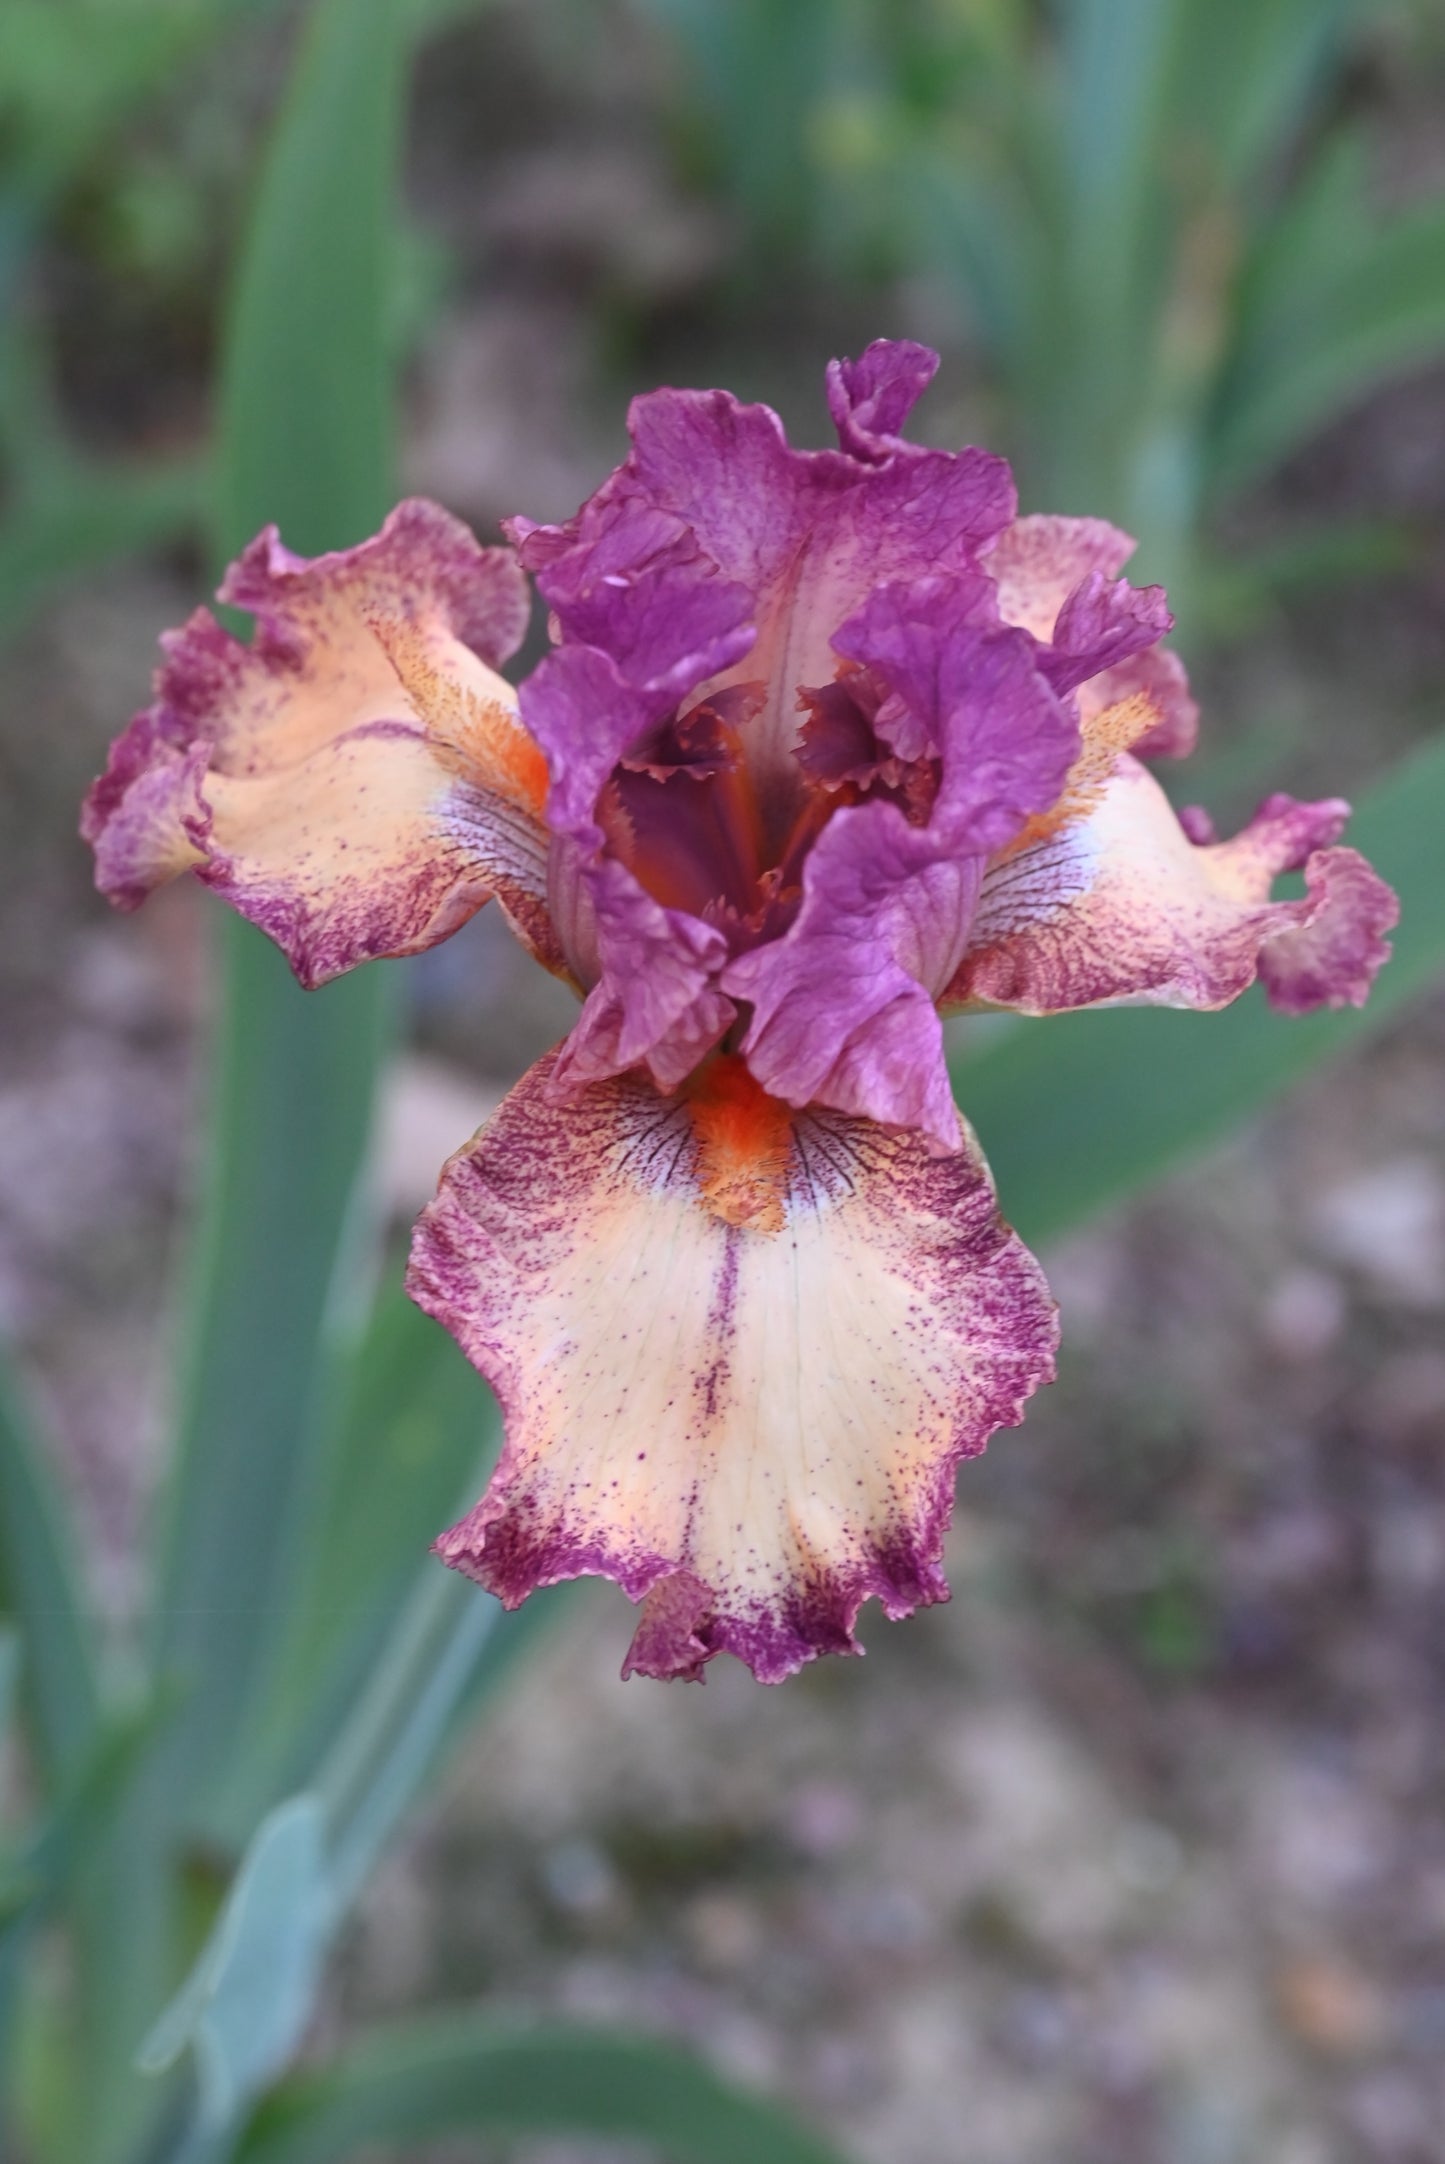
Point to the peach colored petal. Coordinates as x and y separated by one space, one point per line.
1118 906
740 1352
1038 561
356 780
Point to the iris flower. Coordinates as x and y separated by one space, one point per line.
827 744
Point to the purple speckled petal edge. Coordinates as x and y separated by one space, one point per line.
1125 905
355 780
656 1360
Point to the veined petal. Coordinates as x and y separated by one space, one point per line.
656 1000
843 1004
740 1353
1118 906
1039 562
871 398
356 780
715 506
649 971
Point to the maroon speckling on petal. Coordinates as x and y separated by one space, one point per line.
748 1412
1127 902
354 780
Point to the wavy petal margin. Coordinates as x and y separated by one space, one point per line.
870 399
1119 906
842 1006
740 1352
356 780
1038 562
716 528
649 972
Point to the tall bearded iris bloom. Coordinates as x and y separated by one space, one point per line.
827 743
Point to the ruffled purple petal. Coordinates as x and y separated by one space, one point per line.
656 1001
581 710
1102 623
976 697
871 398
629 578
714 522
1039 560
843 1004
843 1011
650 972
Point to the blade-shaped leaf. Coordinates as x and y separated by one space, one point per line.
9 1677
42 1589
1245 74
246 2002
464 2074
1308 348
1078 1111
414 1435
75 1826
1116 57
450 1647
412 1448
398 1728
305 439
315 1850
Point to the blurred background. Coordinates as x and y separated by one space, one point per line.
1136 1850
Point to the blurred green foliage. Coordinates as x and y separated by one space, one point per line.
1158 220
127 135
1154 217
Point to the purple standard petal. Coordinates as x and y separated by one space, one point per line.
629 578
650 972
843 1010
871 398
713 503
973 692
1103 622
911 634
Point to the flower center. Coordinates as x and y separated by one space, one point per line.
684 812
